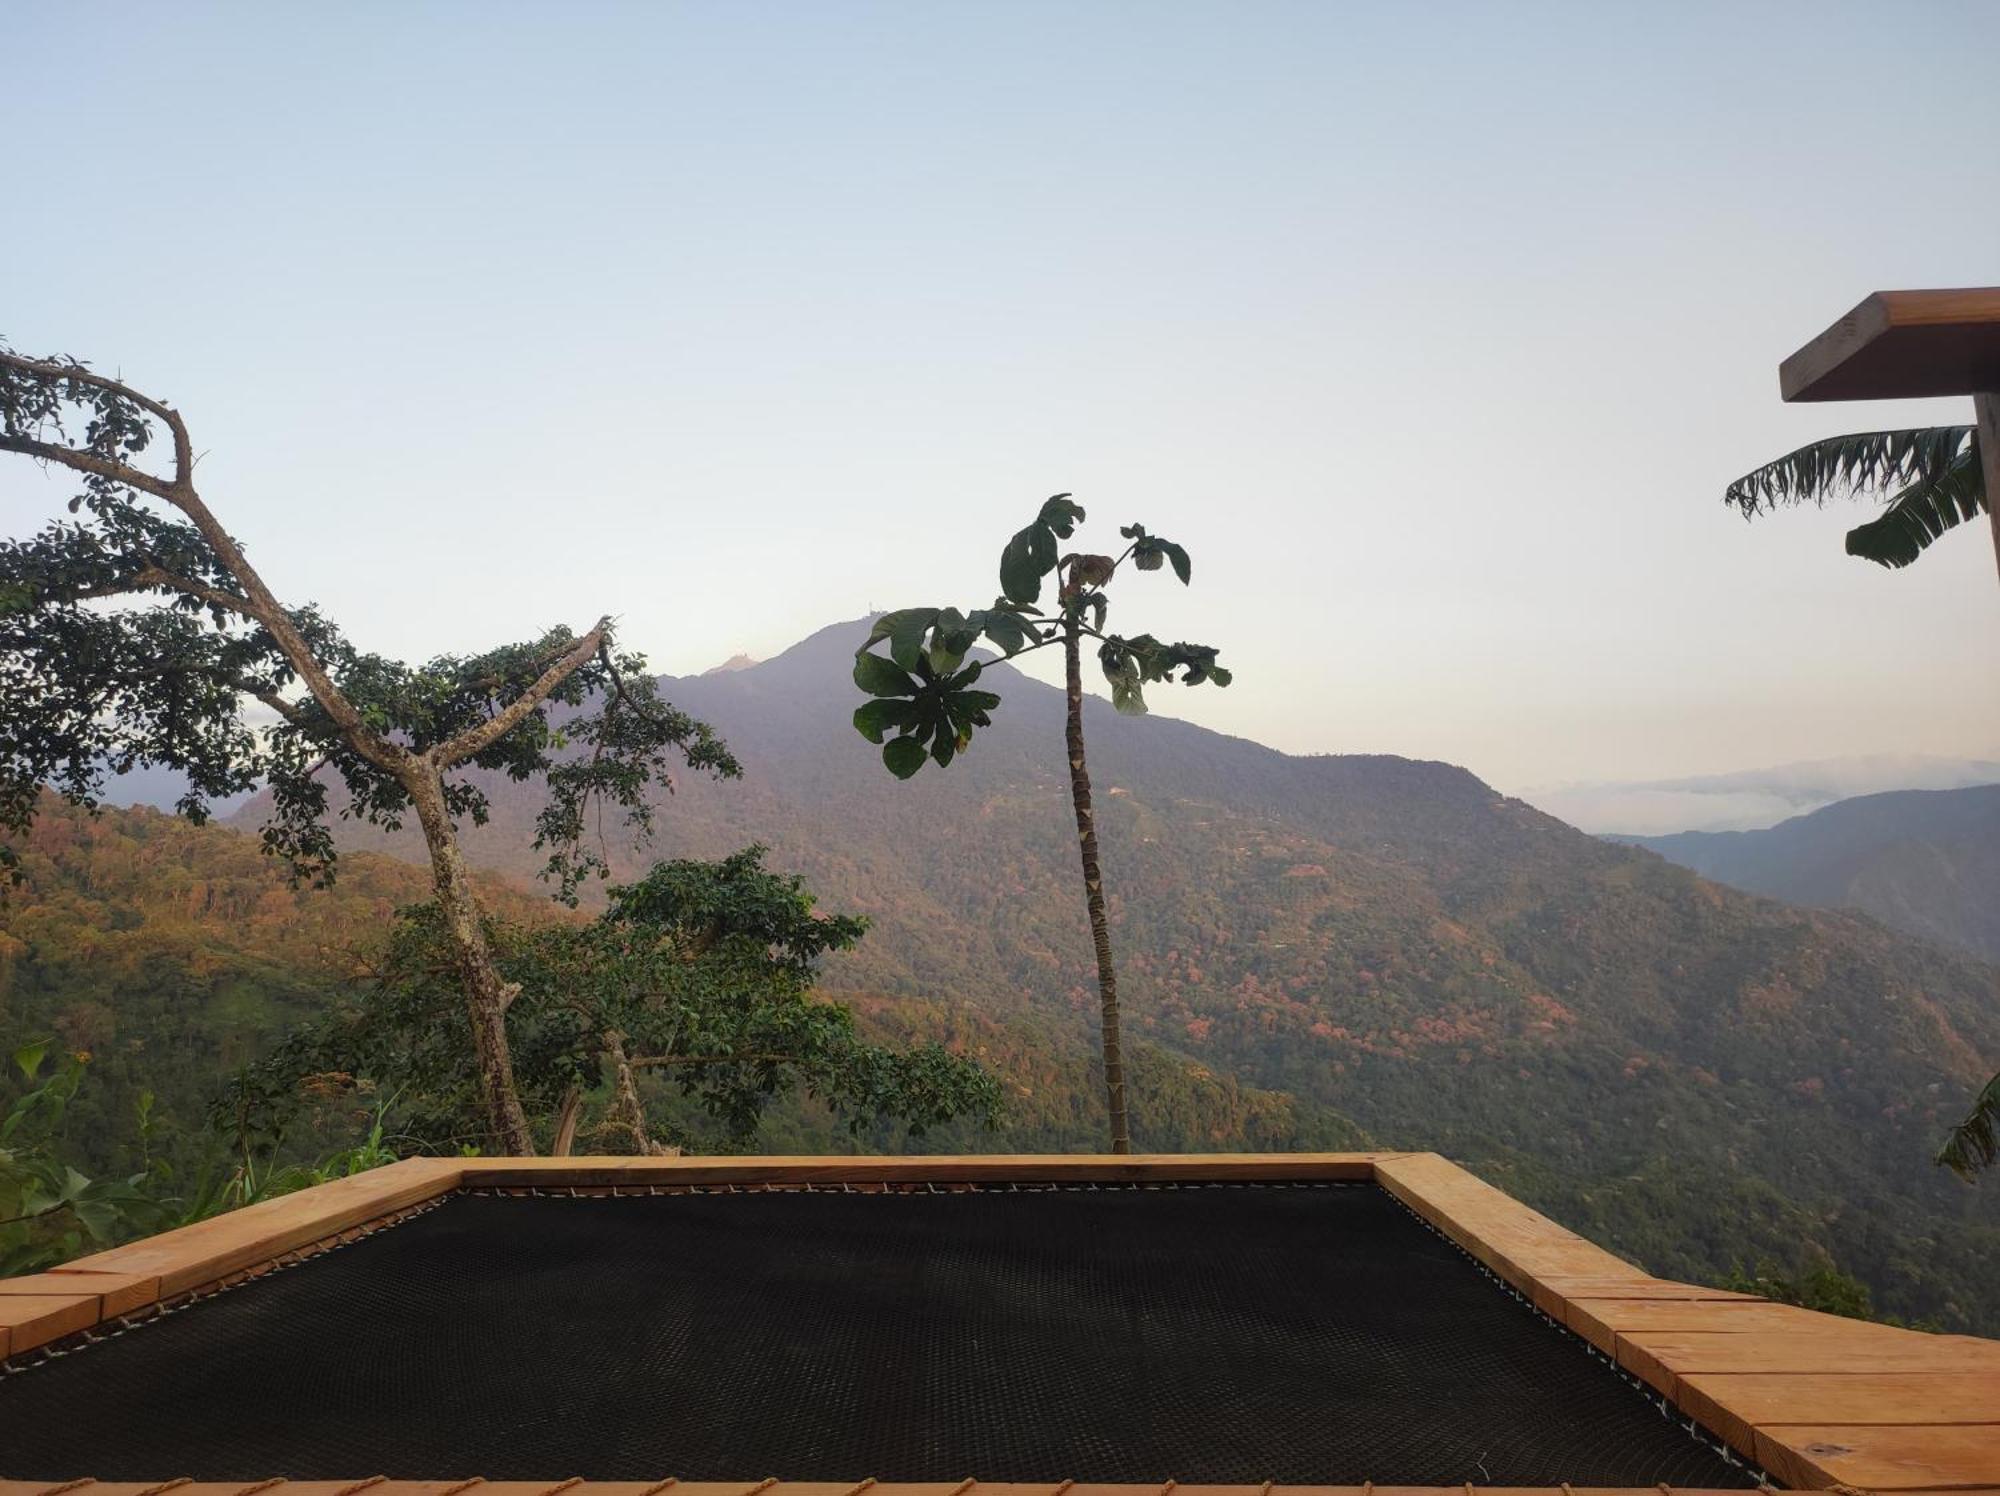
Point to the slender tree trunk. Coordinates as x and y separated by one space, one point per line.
1093 890
572 1112
486 994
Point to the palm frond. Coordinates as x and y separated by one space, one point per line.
1975 1143
1931 476
1866 462
1921 513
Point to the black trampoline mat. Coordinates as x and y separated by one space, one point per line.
1239 1333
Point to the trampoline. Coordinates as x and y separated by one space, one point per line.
1304 1331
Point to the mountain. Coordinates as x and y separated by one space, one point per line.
1926 862
1751 799
1696 1076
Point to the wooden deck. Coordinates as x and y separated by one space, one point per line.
1817 1401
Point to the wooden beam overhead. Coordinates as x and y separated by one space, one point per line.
1900 345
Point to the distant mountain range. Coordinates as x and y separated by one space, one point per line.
1923 861
1692 1074
1750 799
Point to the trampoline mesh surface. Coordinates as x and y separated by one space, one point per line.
1237 1333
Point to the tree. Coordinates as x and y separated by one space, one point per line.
91 684
701 972
924 693
1934 480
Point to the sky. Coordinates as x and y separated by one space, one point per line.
1434 333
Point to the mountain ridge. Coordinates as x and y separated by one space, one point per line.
1925 862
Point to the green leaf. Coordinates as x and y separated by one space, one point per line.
942 748
28 1058
1005 630
904 756
906 635
1060 515
873 718
1020 570
1866 462
1183 568
952 639
1921 513
1220 676
1047 553
880 677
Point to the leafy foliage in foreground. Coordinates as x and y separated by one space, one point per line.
50 1211
1931 479
923 688
1974 1144
700 973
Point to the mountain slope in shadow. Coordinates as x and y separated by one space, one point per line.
1926 862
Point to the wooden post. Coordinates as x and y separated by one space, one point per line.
1986 421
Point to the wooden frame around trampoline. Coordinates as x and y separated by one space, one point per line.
1818 1401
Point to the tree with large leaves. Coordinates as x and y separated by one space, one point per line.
137 633
701 973
925 692
1931 480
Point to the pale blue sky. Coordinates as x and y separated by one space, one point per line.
1433 331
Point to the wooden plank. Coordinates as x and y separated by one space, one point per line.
1523 1246
1660 1357
1555 1293
31 1319
1900 345
1602 1321
209 1250
1733 1404
1639 1286
959 1169
116 1293
1876 1458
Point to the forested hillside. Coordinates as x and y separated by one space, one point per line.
1698 1076
1926 862
173 955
